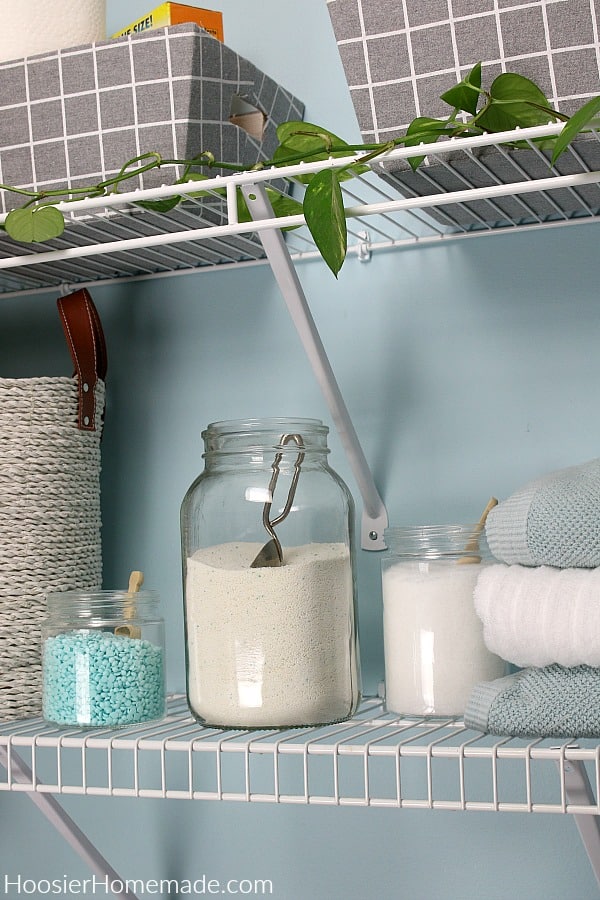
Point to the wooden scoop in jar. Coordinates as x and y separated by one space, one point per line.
136 580
471 551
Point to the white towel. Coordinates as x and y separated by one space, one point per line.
542 615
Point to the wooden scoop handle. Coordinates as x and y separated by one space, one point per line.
472 546
136 580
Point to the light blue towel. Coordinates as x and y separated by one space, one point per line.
553 701
552 521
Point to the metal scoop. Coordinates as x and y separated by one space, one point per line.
272 554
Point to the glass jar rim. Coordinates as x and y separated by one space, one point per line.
434 530
267 423
99 596
451 540
253 436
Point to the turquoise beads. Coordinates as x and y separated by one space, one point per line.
97 678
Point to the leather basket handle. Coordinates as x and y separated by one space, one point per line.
85 339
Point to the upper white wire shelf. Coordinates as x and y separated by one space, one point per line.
374 759
466 187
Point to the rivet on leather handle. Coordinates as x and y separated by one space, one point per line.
85 339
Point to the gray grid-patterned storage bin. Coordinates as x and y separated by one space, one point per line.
400 56
76 116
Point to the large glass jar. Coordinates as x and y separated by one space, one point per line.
269 642
433 638
103 658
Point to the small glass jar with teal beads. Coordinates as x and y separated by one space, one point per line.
103 658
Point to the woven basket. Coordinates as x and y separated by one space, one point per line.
50 432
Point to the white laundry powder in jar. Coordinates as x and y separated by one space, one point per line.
271 647
433 638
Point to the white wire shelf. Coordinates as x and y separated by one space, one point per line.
467 187
376 759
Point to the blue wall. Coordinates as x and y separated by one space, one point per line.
467 369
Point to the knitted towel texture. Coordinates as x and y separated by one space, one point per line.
547 702
552 521
540 616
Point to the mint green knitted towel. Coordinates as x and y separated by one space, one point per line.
553 701
551 521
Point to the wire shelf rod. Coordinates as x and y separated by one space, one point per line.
423 219
483 223
482 193
394 223
218 182
288 221
516 165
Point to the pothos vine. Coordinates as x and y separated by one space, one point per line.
512 101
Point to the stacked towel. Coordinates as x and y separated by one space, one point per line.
552 521
549 702
540 608
539 616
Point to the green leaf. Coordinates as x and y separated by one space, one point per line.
515 101
462 96
304 142
474 76
34 224
198 176
299 133
575 125
424 130
284 205
326 218
465 95
166 204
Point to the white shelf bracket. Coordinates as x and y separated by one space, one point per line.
374 517
364 250
579 792
19 772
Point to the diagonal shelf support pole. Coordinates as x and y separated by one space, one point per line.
49 806
374 517
579 792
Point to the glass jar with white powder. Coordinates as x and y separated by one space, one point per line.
433 638
270 642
